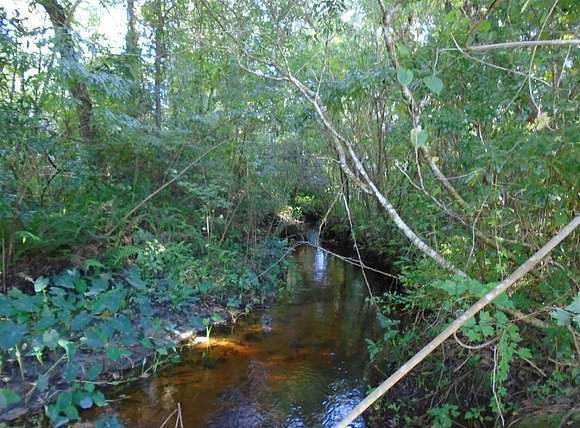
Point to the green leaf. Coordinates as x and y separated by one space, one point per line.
11 334
80 321
134 279
92 263
95 371
99 399
86 402
404 76
197 322
434 84
418 137
8 398
574 307
403 51
81 286
217 317
561 316
485 26
113 353
42 383
67 279
41 283
69 347
6 308
50 338
23 302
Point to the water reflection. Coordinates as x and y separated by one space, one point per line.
320 261
305 371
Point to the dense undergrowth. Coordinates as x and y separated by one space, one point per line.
86 328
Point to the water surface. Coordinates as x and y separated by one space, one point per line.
298 364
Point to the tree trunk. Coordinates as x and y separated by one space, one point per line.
65 45
159 54
133 59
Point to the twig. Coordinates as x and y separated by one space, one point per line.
567 416
168 418
534 55
459 322
542 372
473 347
493 377
51 368
497 67
356 248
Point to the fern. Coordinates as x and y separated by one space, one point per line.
118 256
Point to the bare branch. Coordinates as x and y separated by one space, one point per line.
524 44
459 322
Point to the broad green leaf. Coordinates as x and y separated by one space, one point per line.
134 279
574 307
6 308
95 371
113 353
418 137
404 76
50 338
8 398
23 302
434 84
42 383
99 399
69 347
485 26
67 279
403 50
11 334
80 321
41 283
197 322
561 316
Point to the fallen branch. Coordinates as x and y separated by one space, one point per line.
459 322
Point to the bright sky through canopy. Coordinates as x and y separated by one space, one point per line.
90 17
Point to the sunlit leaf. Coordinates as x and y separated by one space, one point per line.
404 76
434 84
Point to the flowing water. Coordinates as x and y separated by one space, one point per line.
298 364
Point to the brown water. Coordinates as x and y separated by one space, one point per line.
304 371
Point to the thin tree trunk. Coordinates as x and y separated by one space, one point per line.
65 45
159 53
133 59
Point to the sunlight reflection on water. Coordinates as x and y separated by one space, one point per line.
306 372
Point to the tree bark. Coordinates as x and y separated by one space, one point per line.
133 59
64 43
359 173
159 54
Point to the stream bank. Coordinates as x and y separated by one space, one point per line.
299 363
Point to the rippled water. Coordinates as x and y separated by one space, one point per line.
299 364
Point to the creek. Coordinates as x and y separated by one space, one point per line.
299 363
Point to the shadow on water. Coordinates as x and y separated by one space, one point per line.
299 364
